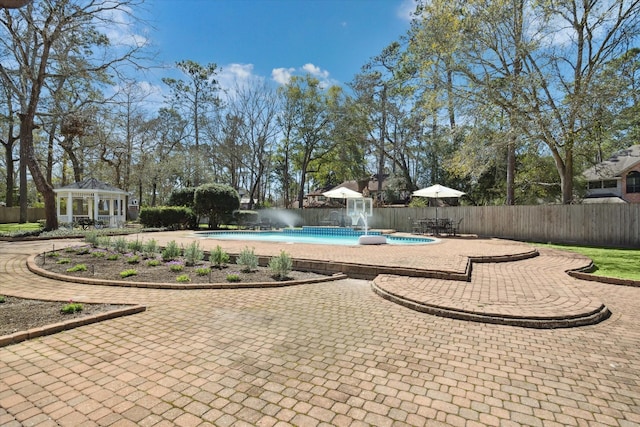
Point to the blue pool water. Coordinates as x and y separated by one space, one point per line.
314 235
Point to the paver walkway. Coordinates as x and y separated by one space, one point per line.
327 354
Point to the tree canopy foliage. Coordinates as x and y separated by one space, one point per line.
508 100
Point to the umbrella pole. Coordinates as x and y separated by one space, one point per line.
436 224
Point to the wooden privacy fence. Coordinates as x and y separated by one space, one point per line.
590 224
10 215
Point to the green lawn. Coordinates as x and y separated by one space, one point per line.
618 263
10 228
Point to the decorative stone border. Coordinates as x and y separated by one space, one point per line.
34 268
589 318
69 324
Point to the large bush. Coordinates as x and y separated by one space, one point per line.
175 217
182 197
217 201
246 218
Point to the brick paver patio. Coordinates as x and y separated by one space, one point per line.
334 353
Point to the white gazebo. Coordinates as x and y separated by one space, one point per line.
92 201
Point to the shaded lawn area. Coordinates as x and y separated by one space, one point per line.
13 227
618 263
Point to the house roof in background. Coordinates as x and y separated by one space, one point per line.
615 165
608 198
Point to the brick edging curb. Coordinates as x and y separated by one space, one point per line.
584 274
69 324
538 322
34 268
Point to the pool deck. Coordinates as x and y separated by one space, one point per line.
464 278
502 336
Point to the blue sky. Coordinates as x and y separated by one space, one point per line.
274 39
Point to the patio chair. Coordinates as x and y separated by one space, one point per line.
265 224
333 219
455 227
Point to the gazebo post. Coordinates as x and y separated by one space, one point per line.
70 207
96 201
111 219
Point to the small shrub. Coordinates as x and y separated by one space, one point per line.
53 254
203 271
98 253
171 251
153 262
104 242
63 261
77 267
92 238
133 259
183 278
113 257
128 273
72 307
193 254
281 265
71 250
248 260
135 245
120 244
150 249
233 277
218 257
175 266
2 299
83 250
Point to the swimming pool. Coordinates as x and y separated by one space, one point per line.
313 235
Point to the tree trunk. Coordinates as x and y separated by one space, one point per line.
27 150
154 192
566 179
67 145
383 132
511 169
9 181
24 204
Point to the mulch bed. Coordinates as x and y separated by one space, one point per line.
20 314
100 267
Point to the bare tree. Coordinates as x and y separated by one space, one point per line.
35 34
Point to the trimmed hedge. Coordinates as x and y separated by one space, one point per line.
176 217
245 218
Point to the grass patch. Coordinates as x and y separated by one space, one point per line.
11 228
617 263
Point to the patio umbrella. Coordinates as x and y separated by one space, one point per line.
342 193
437 191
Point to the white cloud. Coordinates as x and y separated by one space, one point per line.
406 9
282 75
315 71
120 28
233 75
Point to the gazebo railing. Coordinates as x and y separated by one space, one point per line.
104 220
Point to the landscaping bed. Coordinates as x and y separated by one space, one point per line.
20 314
154 266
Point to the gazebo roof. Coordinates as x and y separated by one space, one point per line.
91 185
